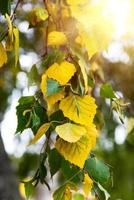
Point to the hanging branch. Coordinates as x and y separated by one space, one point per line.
5 32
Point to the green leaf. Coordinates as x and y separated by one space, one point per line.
33 76
101 192
70 170
29 189
99 120
91 80
42 172
78 196
41 116
5 7
97 170
26 100
55 160
55 56
107 195
53 87
106 91
30 114
23 111
98 192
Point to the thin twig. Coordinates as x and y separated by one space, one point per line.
5 32
15 9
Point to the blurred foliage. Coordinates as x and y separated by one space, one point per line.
120 158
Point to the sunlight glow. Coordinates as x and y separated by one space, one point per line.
119 10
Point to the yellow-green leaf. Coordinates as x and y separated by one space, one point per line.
38 15
65 191
87 184
79 109
70 132
16 44
9 42
56 38
42 130
76 153
61 73
3 55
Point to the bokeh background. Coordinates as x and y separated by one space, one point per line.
116 64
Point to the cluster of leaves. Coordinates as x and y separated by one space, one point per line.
63 104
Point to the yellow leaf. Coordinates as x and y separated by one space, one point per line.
3 55
76 153
87 184
43 85
56 38
79 109
84 67
76 3
94 36
16 44
37 15
42 130
51 100
65 191
92 134
70 132
88 40
9 42
61 73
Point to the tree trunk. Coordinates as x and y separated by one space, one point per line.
8 182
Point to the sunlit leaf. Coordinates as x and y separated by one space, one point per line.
16 44
76 3
93 134
61 73
87 184
94 36
56 38
79 109
42 130
89 41
43 85
70 132
3 55
76 153
51 100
